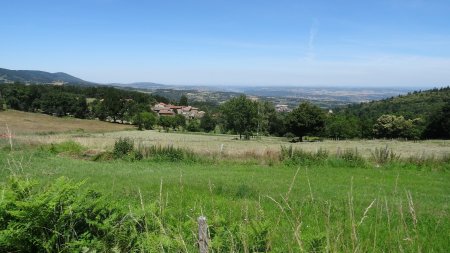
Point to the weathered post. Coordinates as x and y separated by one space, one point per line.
202 234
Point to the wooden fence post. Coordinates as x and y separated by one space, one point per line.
202 234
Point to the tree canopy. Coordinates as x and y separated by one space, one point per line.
306 119
240 116
439 124
391 126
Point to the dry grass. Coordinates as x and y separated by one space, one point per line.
29 123
227 146
40 128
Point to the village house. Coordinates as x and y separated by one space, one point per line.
282 108
189 112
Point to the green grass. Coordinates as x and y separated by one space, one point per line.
284 207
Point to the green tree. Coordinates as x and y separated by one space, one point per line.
267 118
306 119
207 122
62 103
391 126
342 127
113 104
2 103
166 122
193 126
145 120
99 110
178 121
183 100
240 116
439 124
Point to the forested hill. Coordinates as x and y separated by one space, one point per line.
417 104
34 76
416 115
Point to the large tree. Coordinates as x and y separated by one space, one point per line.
240 116
439 124
113 103
267 118
391 126
341 126
306 119
179 121
183 100
207 122
145 120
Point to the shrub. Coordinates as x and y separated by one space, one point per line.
145 120
122 147
193 126
169 153
289 135
351 157
67 147
286 152
296 156
384 155
63 218
431 161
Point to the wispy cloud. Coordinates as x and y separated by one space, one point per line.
313 31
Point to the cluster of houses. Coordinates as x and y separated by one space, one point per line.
189 112
282 108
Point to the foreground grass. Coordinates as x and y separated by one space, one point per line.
333 207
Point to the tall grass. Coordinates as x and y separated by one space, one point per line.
168 152
299 156
384 155
293 215
65 217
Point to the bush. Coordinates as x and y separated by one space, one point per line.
67 147
145 120
299 156
384 155
350 157
123 147
63 218
193 126
169 152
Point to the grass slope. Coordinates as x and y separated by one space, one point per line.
257 208
28 123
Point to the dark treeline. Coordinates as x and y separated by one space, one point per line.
77 101
417 115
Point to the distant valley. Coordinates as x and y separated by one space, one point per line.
325 97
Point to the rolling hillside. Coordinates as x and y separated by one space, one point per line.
417 104
35 76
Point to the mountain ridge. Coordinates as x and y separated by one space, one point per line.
38 76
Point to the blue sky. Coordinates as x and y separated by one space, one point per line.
212 42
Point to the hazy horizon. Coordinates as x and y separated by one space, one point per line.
386 44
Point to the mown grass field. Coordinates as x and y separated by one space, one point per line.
253 203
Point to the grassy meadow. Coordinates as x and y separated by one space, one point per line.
20 123
256 197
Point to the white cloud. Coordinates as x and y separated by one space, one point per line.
313 31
